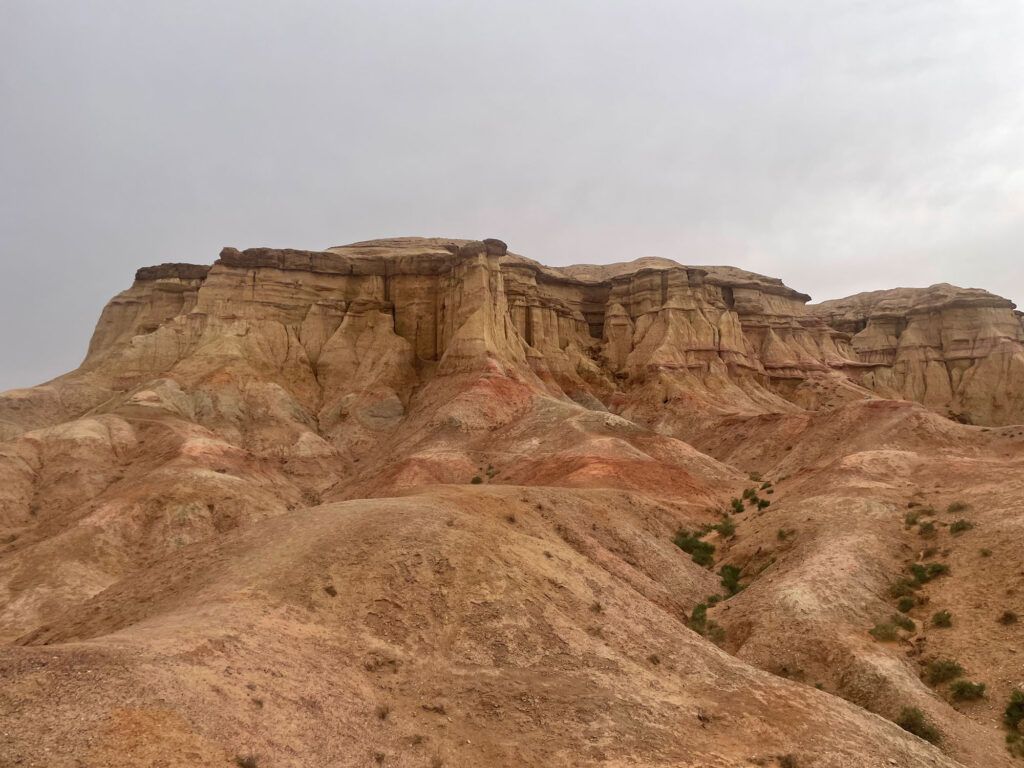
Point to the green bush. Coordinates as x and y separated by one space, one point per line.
763 503
727 527
960 526
902 588
698 619
911 518
962 690
925 572
885 632
913 720
927 529
906 604
957 506
903 622
942 619
730 578
476 480
737 506
942 671
1015 709
700 551
766 486
748 493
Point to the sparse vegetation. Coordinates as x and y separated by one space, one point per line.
985 552
962 690
596 607
903 622
925 572
926 529
911 518
247 761
755 476
1008 617
960 526
726 528
884 632
654 659
698 619
766 485
902 588
763 503
942 671
730 578
957 506
905 604
912 719
942 619
737 506
383 711
476 480
1014 712
788 761
330 590
701 551
748 493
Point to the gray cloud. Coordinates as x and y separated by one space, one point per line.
841 145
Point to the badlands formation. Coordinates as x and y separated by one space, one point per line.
424 502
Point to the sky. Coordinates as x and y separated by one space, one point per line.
841 145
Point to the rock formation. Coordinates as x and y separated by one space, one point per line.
412 502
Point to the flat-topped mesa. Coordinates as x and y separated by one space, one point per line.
331 318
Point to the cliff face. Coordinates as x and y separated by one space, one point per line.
377 317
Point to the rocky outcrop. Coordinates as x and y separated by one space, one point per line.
959 351
374 320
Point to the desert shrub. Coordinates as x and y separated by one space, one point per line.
942 619
716 633
771 561
962 690
925 572
763 503
788 761
942 670
985 552
957 506
1014 712
927 529
911 518
912 719
698 619
383 711
737 506
247 761
766 485
748 493
713 600
330 590
476 480
755 476
885 632
596 607
700 551
902 588
903 622
730 578
1008 617
782 534
930 552
727 527
905 605
960 526
654 659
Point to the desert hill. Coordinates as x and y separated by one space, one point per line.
425 502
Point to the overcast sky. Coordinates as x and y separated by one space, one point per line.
840 145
